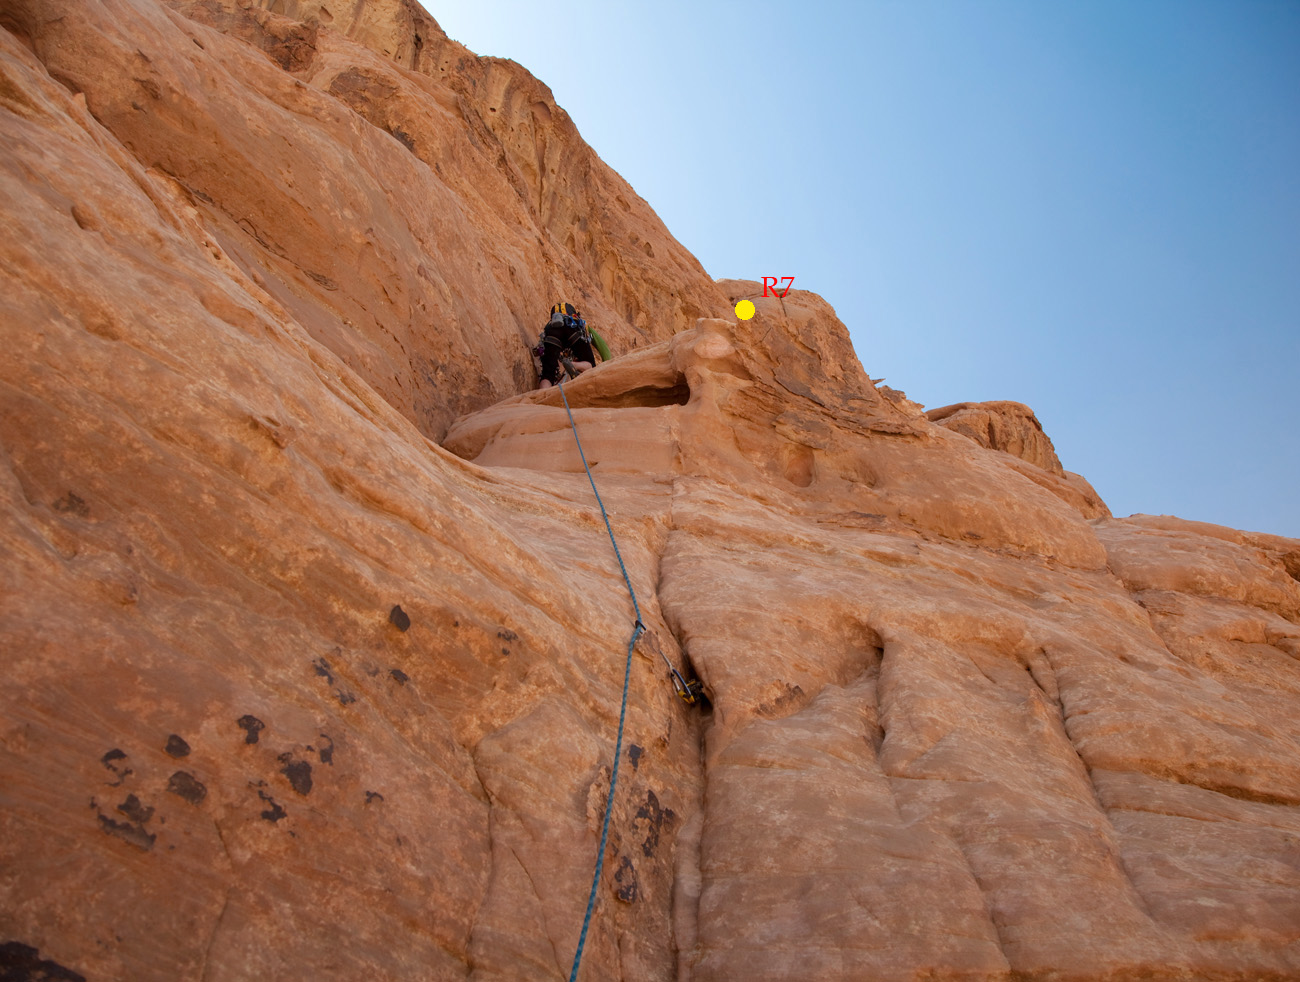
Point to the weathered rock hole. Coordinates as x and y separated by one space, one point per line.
643 396
799 466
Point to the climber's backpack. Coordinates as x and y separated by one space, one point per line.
566 315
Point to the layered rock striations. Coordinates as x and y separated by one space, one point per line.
314 640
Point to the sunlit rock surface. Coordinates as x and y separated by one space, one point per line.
314 640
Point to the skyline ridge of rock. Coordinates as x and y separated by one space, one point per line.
314 639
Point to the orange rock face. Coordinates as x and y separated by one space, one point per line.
1012 427
314 641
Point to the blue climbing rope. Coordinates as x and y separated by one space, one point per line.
622 713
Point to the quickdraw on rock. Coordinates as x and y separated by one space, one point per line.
690 692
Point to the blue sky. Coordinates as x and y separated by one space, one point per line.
1089 206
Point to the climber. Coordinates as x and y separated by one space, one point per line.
566 335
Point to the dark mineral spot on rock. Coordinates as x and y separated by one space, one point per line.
634 755
251 726
72 504
510 637
177 747
325 671
655 817
23 963
275 812
128 831
188 787
400 677
298 772
326 753
399 618
626 887
110 761
373 796
132 830
133 809
322 279
404 138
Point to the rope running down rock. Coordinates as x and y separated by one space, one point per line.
637 631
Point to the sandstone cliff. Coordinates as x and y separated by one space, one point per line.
314 642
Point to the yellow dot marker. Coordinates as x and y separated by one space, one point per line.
744 310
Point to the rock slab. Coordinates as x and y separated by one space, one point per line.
315 643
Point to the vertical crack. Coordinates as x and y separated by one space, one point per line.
1135 891
555 952
212 938
688 873
887 660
